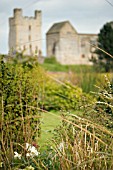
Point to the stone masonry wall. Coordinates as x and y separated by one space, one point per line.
25 33
69 47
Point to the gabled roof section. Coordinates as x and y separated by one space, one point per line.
56 28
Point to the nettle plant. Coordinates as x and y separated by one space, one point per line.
19 95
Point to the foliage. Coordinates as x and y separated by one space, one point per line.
83 76
85 142
101 109
104 104
20 58
19 94
79 144
63 96
105 42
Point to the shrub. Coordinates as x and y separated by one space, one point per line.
63 96
104 61
19 99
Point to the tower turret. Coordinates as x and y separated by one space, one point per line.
38 16
17 13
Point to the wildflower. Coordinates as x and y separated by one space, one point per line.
17 155
31 150
35 145
61 146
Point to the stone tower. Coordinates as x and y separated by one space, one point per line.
25 33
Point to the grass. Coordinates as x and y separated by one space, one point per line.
67 68
50 64
84 76
49 121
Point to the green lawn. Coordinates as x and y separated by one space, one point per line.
67 68
49 121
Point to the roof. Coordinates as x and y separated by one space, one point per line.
58 26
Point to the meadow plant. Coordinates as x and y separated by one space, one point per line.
20 122
80 144
85 143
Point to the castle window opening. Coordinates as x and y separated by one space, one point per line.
29 27
24 47
36 49
30 48
83 55
40 53
54 48
92 57
29 37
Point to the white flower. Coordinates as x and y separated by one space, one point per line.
17 155
28 154
32 151
27 145
61 146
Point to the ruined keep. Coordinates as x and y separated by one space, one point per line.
25 33
68 46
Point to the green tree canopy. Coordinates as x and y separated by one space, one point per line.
105 42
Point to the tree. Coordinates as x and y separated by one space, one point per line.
105 42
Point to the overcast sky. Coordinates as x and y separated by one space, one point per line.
87 16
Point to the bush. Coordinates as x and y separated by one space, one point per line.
63 96
19 101
104 61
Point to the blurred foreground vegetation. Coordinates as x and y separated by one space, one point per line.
31 99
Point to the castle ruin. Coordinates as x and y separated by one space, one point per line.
68 46
25 33
62 39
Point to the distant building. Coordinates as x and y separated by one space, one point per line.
25 33
68 46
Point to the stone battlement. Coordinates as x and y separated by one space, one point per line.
18 13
